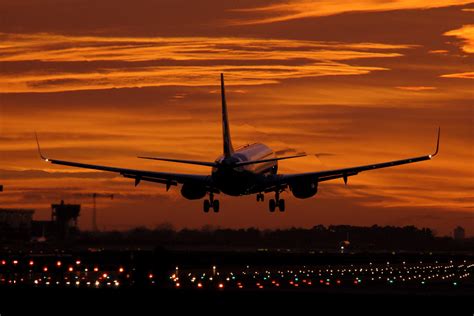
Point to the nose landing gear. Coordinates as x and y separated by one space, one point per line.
276 203
211 203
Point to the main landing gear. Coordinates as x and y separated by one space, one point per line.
211 203
277 202
260 197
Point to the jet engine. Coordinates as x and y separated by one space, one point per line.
192 191
304 189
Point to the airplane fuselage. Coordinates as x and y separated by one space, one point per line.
246 179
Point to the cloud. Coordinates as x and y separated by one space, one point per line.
416 88
439 51
466 35
461 75
298 9
115 62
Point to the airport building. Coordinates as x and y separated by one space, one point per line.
15 223
459 233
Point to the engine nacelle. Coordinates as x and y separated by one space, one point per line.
304 189
192 191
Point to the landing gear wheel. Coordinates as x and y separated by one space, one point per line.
272 205
207 206
215 206
281 205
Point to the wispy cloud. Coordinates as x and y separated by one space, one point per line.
466 35
461 75
297 9
114 62
416 88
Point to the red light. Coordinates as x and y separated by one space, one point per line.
338 281
309 283
221 286
321 281
199 285
96 269
45 269
4 262
327 283
356 282
31 262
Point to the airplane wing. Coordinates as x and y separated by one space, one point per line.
170 179
319 176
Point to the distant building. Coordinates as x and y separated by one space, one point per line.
15 223
65 217
459 233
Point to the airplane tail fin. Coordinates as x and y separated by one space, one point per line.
228 149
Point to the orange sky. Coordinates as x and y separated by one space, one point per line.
103 82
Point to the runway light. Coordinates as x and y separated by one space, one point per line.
15 262
121 270
221 286
199 285
150 276
31 262
58 263
45 269
78 262
70 269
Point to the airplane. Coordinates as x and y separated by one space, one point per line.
251 169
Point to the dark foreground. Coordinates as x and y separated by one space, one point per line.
218 282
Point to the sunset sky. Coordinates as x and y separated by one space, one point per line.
367 81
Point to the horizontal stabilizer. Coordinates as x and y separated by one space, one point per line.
244 163
189 162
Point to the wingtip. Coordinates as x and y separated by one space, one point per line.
39 148
437 143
